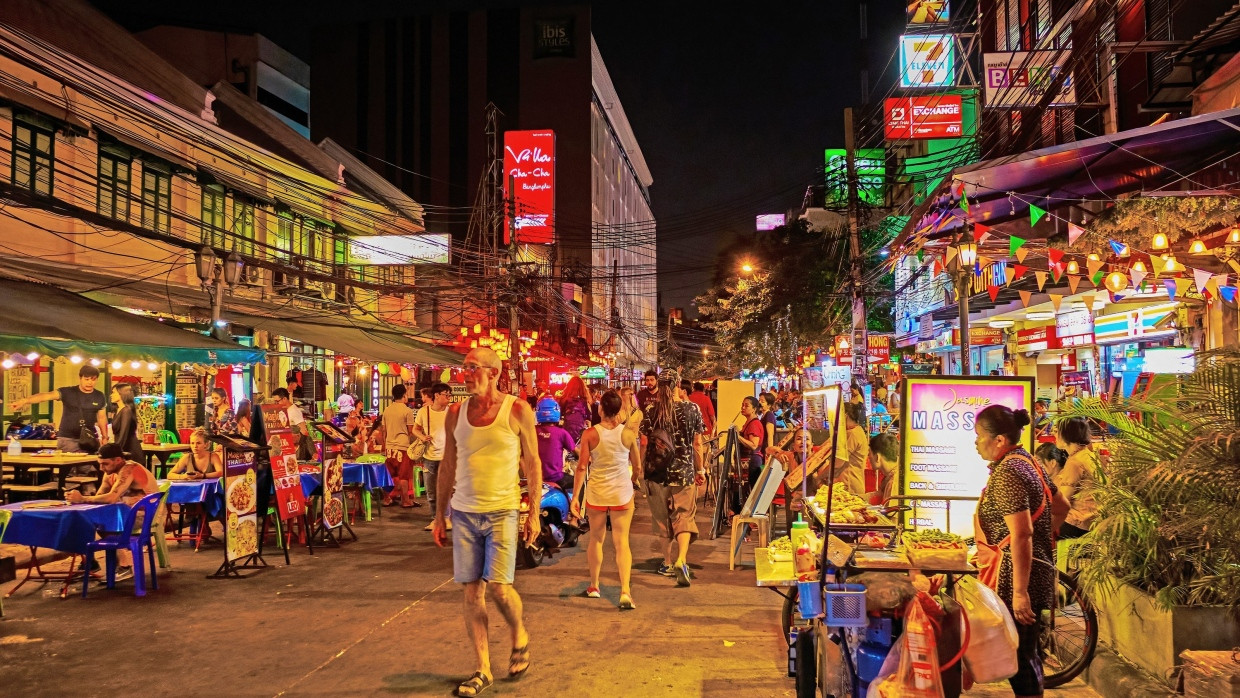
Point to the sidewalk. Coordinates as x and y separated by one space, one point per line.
382 616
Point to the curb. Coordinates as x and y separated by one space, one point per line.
1113 677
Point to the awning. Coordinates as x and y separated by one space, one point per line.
54 322
1147 160
359 341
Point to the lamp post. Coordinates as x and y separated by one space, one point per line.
961 269
214 278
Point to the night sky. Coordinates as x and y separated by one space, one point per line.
731 103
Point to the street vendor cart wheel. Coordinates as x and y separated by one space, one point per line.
789 611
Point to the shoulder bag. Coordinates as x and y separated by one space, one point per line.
989 557
417 449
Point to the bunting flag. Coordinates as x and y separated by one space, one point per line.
921 256
1138 277
1074 233
1088 298
1056 272
1056 299
1073 282
1095 278
951 254
1202 277
993 290
1014 244
1182 285
1041 275
1118 247
938 266
981 232
1018 270
1035 215
1021 254
1093 265
1216 282
1024 298
1170 286
964 203
1054 255
1228 293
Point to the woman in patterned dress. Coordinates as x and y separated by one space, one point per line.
1019 510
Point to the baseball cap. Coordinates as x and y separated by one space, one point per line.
112 450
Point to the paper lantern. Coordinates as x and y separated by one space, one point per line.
394 368
1159 242
383 369
405 373
1116 281
1198 247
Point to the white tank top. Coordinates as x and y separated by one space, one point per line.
487 463
610 480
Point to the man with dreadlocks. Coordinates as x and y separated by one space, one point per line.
673 490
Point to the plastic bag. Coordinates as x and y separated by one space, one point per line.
991 654
911 669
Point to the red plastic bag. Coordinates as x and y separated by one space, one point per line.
912 667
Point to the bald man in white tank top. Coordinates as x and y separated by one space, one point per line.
487 436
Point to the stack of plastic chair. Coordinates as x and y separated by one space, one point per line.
134 543
167 436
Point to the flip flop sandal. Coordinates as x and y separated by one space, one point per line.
519 661
474 685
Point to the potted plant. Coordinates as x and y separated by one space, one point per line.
1162 561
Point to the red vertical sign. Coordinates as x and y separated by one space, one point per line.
290 499
529 166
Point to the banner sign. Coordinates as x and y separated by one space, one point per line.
400 249
940 116
871 175
843 351
240 497
290 500
333 473
927 60
1021 78
980 337
529 166
938 451
1037 339
770 221
879 348
927 11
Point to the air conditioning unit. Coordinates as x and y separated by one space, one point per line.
251 276
287 284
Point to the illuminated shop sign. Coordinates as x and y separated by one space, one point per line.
529 165
940 116
1021 78
927 60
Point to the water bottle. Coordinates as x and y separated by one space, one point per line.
15 446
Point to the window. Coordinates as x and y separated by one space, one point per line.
113 185
33 157
156 198
213 226
243 226
282 240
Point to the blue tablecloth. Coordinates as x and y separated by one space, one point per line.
369 475
68 528
208 492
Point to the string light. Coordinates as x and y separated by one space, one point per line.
75 359
7 363
116 365
32 356
1073 267
1159 242
135 365
95 362
1198 247
1116 281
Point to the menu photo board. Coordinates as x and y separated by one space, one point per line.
938 452
333 474
282 442
240 504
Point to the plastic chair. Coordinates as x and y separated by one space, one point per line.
127 540
5 515
159 535
370 458
167 436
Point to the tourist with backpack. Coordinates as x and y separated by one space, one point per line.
673 470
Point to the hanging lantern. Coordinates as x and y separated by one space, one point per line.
1198 247
382 369
1093 257
473 344
394 368
464 331
1138 266
1171 264
534 336
1116 281
1233 238
1159 242
478 328
1073 267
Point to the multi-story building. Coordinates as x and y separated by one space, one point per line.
418 88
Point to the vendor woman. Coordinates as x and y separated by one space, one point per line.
1018 512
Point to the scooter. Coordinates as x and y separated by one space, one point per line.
558 530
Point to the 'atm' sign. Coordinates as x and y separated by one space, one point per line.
923 117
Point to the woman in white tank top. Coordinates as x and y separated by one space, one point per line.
608 468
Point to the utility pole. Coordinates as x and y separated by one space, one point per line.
514 344
859 336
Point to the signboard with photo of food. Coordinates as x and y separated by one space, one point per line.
240 504
290 499
333 492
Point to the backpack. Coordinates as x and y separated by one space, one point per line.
661 454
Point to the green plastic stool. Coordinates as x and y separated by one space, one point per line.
370 458
158 534
419 481
168 437
5 515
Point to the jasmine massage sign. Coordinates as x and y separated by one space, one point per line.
938 457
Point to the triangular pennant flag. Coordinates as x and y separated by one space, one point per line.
1054 255
1021 254
1170 286
1088 298
1056 272
1018 270
1073 282
981 232
1202 277
1138 277
964 204
1216 282
1118 247
993 290
1041 278
1182 286
1095 278
1056 299
1228 293
1035 215
921 255
938 266
1074 233
1024 298
1093 265
1014 243
951 254
983 261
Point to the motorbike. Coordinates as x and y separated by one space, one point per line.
21 430
558 528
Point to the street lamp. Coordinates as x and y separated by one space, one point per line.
747 268
961 268
214 279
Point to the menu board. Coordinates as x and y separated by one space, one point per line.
290 499
240 504
937 437
333 473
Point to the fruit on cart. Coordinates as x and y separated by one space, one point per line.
839 497
780 549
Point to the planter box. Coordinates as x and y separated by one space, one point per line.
1151 638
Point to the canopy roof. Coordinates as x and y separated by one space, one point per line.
360 341
54 322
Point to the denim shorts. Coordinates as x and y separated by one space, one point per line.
484 546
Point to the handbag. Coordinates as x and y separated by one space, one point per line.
417 449
87 440
989 557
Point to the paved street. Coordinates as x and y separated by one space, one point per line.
382 616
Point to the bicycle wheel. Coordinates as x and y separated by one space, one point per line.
789 611
1068 641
